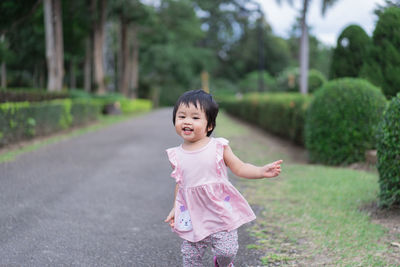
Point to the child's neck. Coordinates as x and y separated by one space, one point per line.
187 145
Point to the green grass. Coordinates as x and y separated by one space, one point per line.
102 122
311 214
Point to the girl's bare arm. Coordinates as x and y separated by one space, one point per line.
250 171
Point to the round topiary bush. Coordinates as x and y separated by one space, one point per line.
315 80
250 83
388 147
288 80
350 52
341 121
382 65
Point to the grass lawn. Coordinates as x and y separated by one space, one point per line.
311 215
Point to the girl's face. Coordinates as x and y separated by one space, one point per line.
191 123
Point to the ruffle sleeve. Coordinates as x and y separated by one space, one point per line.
221 143
176 173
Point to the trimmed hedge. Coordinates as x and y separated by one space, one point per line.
279 113
342 120
24 120
389 154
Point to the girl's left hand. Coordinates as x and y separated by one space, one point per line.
171 218
271 170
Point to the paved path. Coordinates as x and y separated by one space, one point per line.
95 200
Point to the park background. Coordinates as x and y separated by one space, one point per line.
65 64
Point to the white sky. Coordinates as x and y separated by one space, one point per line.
328 28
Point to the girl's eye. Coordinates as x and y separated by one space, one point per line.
181 117
196 118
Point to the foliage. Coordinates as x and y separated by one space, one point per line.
171 59
23 120
26 66
244 55
135 105
289 80
342 120
250 83
279 113
319 54
389 154
315 80
382 66
350 52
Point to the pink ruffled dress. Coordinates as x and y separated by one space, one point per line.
206 201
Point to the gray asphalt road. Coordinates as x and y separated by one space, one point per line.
95 200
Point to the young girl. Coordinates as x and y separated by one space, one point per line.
207 208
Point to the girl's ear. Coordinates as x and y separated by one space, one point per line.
209 128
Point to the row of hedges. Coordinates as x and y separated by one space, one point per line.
279 113
23 120
338 124
343 120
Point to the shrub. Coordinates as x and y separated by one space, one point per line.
280 113
382 66
288 80
250 83
389 154
23 120
350 52
315 80
342 120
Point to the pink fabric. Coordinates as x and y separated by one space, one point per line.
206 201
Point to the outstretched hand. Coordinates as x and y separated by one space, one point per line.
272 169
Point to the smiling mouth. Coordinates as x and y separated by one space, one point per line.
187 130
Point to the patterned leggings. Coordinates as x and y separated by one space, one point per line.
224 246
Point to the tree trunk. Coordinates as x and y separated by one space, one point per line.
88 65
304 50
54 44
98 40
134 81
124 59
3 75
72 78
3 69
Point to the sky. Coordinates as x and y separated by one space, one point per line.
328 28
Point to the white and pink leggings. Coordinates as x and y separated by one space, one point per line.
224 246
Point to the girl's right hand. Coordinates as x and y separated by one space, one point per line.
171 218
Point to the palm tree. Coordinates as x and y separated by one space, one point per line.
304 46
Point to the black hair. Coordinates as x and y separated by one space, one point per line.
206 103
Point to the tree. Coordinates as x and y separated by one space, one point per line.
131 14
14 13
304 40
242 57
350 52
171 56
382 66
54 44
99 12
77 29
